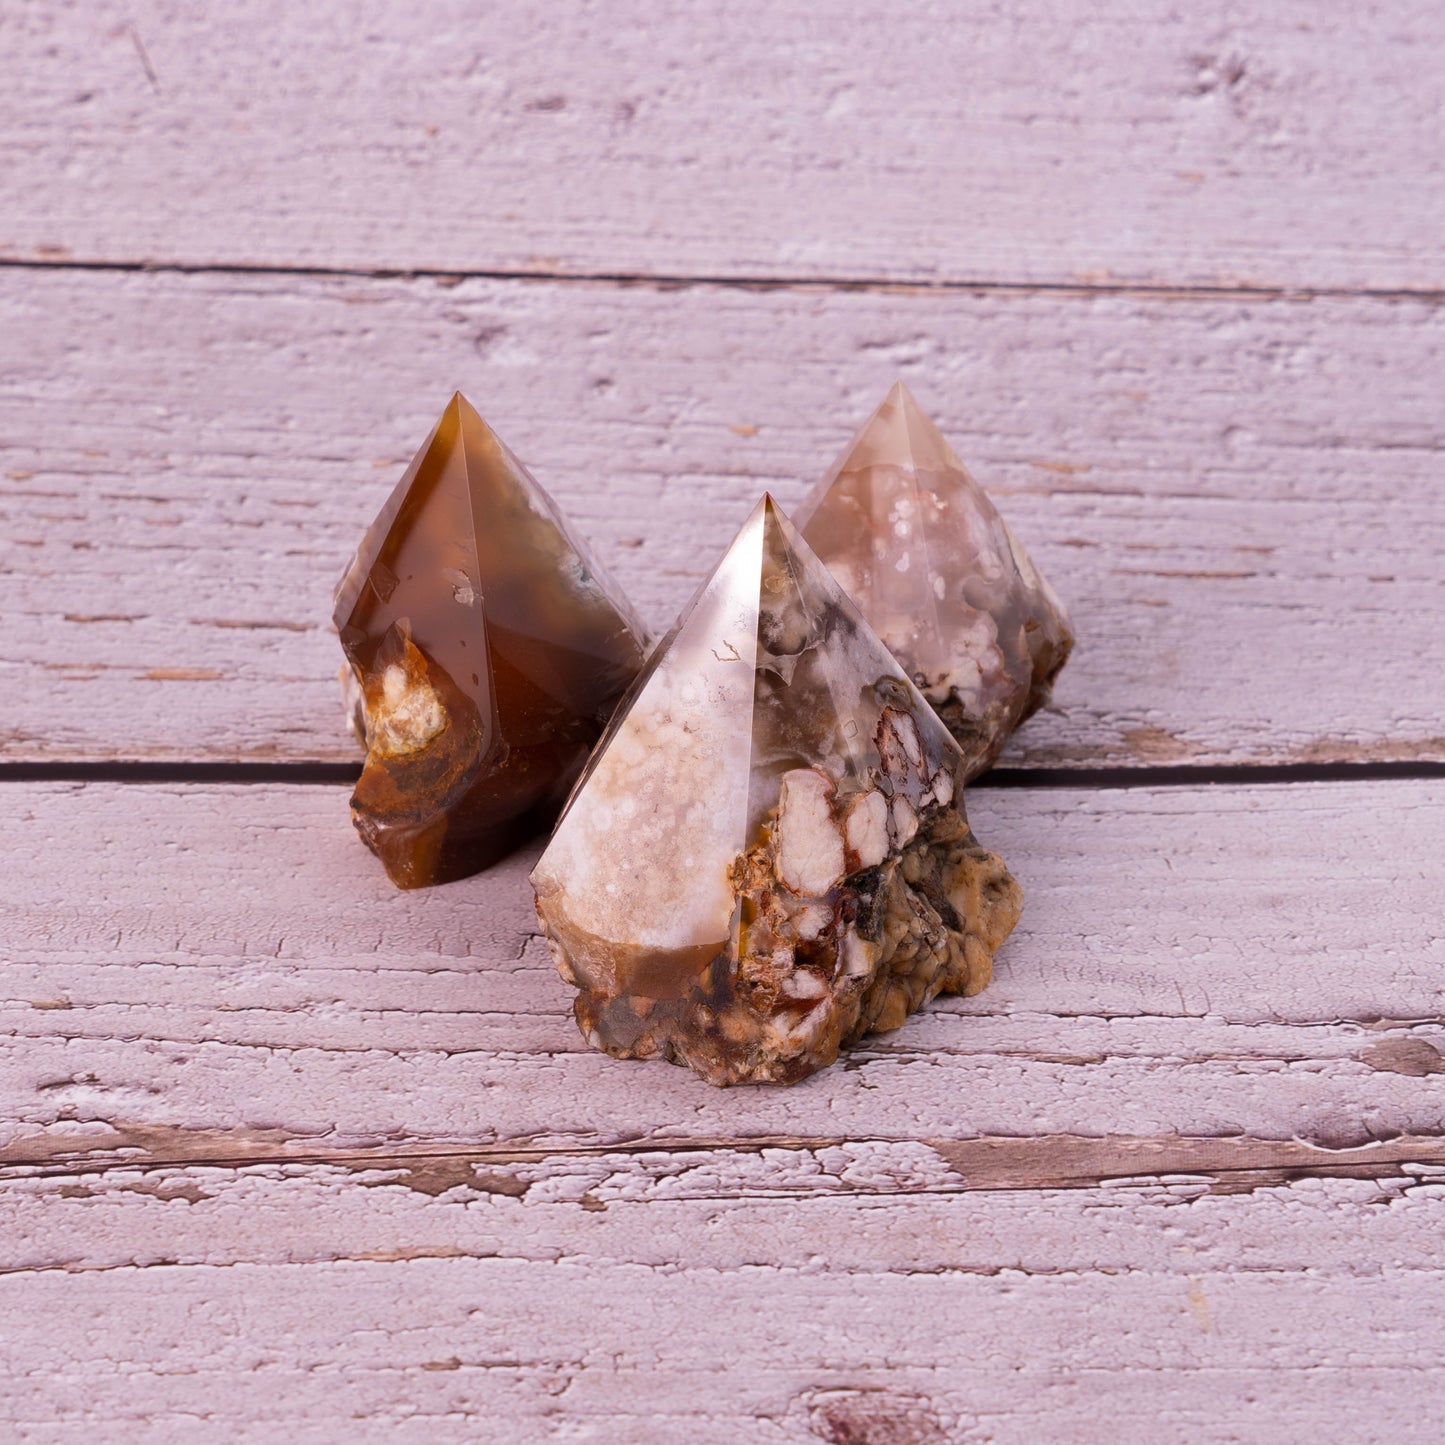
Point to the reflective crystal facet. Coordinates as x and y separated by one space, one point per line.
767 856
921 549
486 649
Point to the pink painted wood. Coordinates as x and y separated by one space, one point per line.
1236 497
1170 1151
287 1154
1130 141
1133 998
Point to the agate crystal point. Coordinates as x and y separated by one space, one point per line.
486 650
921 549
768 857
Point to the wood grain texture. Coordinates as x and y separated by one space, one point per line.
1274 144
286 1154
289 1151
1239 499
1191 962
328 1303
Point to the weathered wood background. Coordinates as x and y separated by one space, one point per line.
285 1154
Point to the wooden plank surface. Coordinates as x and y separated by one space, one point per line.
1239 498
1191 961
381 1312
287 1154
1268 144
1181 1167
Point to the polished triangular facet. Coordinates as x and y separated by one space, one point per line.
921 549
488 650
767 856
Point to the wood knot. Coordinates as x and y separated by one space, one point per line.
874 1417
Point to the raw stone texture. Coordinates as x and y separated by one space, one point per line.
768 855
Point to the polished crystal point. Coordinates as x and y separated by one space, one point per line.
921 549
767 856
486 651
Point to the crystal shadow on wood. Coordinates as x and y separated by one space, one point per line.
767 857
486 651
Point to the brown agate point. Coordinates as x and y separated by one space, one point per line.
486 651
768 857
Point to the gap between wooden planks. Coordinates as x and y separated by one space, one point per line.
1268 144
1236 497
